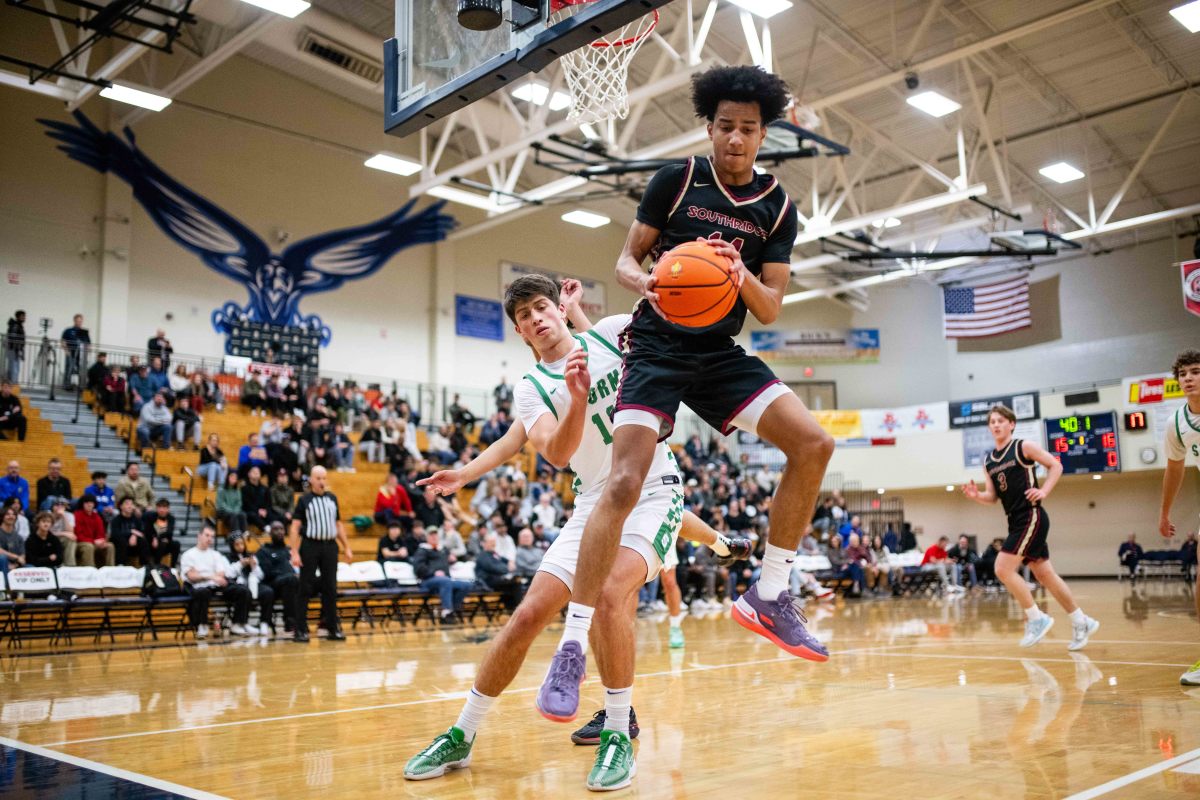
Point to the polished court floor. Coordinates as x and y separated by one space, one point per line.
921 698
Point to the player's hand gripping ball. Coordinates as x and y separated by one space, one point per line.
694 285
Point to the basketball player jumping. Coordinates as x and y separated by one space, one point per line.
562 406
1182 437
1009 477
750 220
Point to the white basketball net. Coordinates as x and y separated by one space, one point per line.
596 73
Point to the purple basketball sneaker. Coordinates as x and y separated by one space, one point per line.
558 699
781 621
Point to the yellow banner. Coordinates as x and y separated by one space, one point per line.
840 424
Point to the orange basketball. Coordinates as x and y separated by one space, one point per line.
694 286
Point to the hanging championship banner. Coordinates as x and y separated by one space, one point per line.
906 421
594 303
839 346
1191 286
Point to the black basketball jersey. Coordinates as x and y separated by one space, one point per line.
1012 474
687 201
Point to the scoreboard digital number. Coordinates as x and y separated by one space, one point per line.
1085 442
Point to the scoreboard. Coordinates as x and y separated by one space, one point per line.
1085 442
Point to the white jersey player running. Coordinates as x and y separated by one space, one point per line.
1182 439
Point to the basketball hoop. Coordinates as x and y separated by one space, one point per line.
597 73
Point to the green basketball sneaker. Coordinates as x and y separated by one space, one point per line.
449 750
614 768
675 637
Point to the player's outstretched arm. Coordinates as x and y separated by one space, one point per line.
571 298
1172 482
449 481
557 440
1054 470
638 244
985 497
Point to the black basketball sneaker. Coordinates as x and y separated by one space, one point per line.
739 550
589 734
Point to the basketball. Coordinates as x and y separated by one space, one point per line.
694 286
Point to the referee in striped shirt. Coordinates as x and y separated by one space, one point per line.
316 530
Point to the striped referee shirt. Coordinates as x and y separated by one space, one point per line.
318 515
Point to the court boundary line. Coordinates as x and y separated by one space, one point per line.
878 650
1134 777
107 769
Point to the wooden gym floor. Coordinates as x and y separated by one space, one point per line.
921 698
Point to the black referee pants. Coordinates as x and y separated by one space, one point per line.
317 554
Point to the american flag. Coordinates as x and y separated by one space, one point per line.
974 311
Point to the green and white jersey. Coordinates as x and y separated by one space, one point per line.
544 391
1183 435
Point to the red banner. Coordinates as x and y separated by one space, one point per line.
1191 286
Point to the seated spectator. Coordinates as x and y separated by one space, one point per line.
986 568
229 504
13 485
141 388
430 509
1130 553
545 513
63 527
342 449
256 502
91 536
114 391
799 581
252 454
391 545
12 546
439 446
937 560
22 521
844 566
186 422
891 539
702 575
106 504
127 535
274 397
458 442
496 572
529 555
135 486
452 540
392 503
43 549
695 448
52 485
852 525
213 464
860 554
252 395
160 382
493 429
966 558
96 374
432 564
460 415
823 517
279 581
908 539
283 497
206 573
178 381
244 571
371 443
159 526
154 421
12 415
883 557
809 546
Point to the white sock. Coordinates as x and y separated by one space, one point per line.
579 621
617 703
776 569
721 545
473 712
1078 617
676 620
1033 613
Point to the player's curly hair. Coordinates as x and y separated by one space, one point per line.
1185 359
742 84
526 288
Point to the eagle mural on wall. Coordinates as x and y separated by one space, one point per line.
276 282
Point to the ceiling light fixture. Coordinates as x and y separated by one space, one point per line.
890 222
763 8
393 164
284 8
1188 15
586 218
537 92
482 202
933 104
135 97
1062 172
